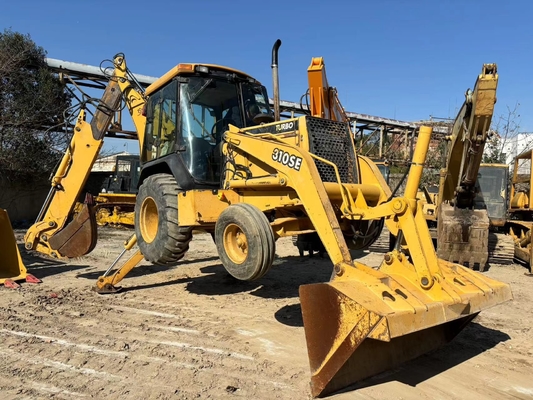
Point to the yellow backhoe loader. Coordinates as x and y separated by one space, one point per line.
461 209
230 167
12 268
215 158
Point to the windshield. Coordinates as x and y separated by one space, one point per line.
207 107
385 171
492 186
190 117
256 107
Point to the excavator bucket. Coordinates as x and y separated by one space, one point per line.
463 236
11 266
355 329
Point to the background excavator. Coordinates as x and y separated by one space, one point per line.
469 205
215 158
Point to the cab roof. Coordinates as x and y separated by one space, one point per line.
189 68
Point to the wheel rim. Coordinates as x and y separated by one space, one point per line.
149 220
235 244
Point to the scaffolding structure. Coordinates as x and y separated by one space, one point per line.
376 137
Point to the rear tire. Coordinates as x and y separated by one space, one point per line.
159 237
245 241
371 231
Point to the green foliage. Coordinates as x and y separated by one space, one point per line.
32 102
505 128
493 150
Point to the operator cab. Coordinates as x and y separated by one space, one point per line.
125 177
187 112
491 193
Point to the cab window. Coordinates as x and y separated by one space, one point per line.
161 122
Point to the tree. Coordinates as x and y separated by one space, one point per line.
493 149
505 130
32 106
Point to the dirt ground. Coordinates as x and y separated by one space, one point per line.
193 332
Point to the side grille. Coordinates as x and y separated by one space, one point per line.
332 141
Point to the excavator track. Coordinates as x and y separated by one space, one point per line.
501 248
382 244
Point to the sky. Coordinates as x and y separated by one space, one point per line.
403 59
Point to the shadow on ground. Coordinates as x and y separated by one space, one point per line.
282 281
146 269
474 340
42 266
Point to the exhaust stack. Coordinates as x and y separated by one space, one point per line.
275 78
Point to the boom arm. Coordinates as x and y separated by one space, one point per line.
51 234
467 141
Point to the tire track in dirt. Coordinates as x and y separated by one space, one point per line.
196 307
118 365
151 344
211 329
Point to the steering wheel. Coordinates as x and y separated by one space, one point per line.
220 122
262 118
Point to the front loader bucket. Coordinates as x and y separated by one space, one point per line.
11 265
359 326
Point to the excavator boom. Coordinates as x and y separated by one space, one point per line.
467 140
323 99
463 222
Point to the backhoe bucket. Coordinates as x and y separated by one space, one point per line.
11 265
79 237
361 325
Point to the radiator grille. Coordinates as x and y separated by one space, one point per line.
332 141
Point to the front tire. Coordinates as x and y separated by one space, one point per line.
245 241
159 237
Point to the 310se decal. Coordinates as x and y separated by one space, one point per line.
285 158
